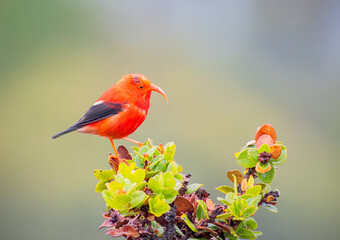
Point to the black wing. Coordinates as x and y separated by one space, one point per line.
97 111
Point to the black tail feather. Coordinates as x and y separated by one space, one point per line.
70 129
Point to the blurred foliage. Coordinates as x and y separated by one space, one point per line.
222 65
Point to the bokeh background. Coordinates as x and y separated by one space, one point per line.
227 68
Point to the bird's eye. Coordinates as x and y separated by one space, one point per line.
140 87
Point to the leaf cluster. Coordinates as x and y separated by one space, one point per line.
148 197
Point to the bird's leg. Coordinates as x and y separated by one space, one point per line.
114 148
133 141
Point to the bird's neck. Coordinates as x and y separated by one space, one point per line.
144 102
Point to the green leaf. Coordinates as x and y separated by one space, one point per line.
224 216
251 223
138 198
257 233
138 158
268 176
253 153
151 173
264 148
254 190
173 167
270 208
251 181
118 203
282 158
141 186
245 160
155 162
225 189
229 197
201 210
169 152
114 186
169 180
161 166
179 231
104 175
154 185
101 186
185 218
158 206
125 171
169 194
263 186
235 185
179 177
138 176
245 233
246 196
143 149
193 188
223 201
249 211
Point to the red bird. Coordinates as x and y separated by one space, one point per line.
119 111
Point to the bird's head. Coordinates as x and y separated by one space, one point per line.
140 86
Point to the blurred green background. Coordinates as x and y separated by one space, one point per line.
227 68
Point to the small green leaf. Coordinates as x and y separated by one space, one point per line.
253 153
193 188
225 189
169 194
254 190
201 210
249 211
251 182
264 148
158 206
172 167
179 231
268 176
138 176
185 218
229 197
245 233
141 186
270 208
169 180
223 201
114 186
154 185
101 186
169 152
118 203
143 149
179 177
251 223
246 160
246 196
104 175
155 162
138 198
263 186
224 216
257 233
151 173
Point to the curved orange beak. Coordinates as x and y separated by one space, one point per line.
158 89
